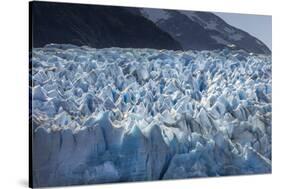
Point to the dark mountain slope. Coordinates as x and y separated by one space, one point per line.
95 26
202 30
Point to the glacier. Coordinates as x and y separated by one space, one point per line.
123 114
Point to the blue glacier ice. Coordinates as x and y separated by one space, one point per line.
121 114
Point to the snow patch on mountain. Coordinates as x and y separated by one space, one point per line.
219 40
210 24
236 37
155 14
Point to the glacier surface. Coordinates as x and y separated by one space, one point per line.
118 115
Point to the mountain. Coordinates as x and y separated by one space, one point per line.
95 26
110 26
202 30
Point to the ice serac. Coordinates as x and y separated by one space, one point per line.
121 114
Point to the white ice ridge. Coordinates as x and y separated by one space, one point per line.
109 115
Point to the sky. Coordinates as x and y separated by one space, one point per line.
259 26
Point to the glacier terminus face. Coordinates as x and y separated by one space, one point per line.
125 114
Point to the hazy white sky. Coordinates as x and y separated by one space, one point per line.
259 26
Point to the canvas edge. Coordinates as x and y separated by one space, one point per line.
30 136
